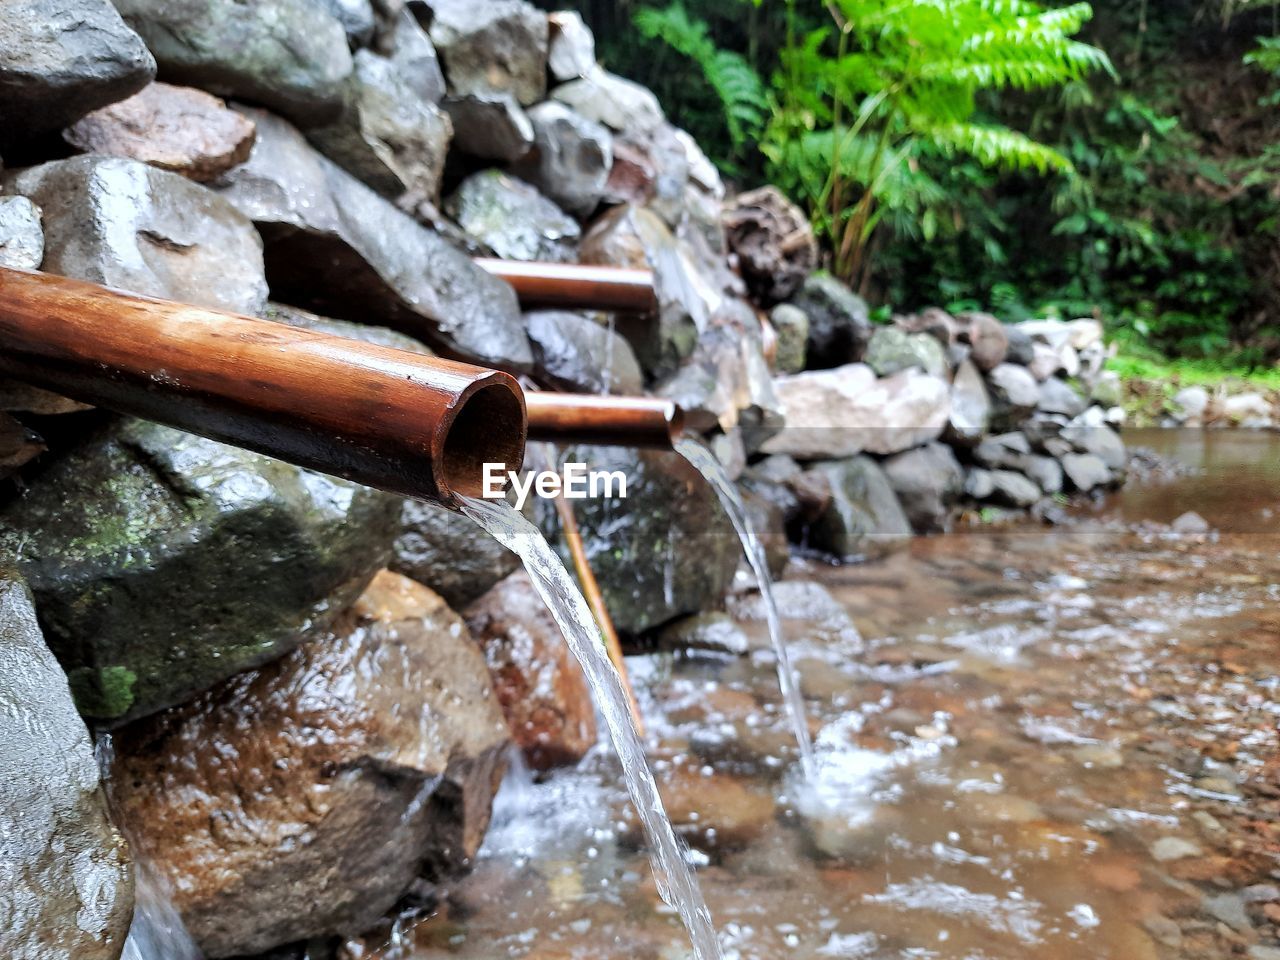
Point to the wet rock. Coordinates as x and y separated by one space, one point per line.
620 104
1085 472
130 226
791 324
513 219
381 336
21 236
1098 756
387 136
1097 439
374 753
985 337
492 47
575 353
849 827
1167 849
934 321
713 811
1190 523
288 55
995 808
445 551
1010 489
832 413
570 159
20 398
630 236
979 484
891 350
64 870
248 551
336 247
490 126
1021 348
667 550
571 51
970 407
540 687
1229 909
174 128
1014 394
773 241
839 324
713 631
1057 396
1191 402
18 445
927 481
407 45
864 517
1003 451
769 524
1045 471
356 17
61 59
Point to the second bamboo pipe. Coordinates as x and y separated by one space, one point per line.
412 425
573 286
608 421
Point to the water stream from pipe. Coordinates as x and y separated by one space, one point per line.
676 882
704 461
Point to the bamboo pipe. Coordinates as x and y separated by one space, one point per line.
412 425
610 421
575 286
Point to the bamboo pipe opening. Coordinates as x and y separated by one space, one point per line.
609 421
486 427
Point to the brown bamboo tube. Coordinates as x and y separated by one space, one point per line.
416 426
574 286
610 421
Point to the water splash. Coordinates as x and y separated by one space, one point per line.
704 461
157 932
676 882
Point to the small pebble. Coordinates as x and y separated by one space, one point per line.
1173 848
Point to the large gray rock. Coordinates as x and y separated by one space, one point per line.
970 406
927 481
21 236
491 47
1099 440
864 517
130 226
620 104
891 350
574 352
289 55
407 45
1085 472
839 324
387 136
163 563
61 59
570 159
356 17
447 552
1011 489
1058 396
571 52
337 247
490 126
840 412
666 550
65 876
985 337
514 220
371 759
1014 395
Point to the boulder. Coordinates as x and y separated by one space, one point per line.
173 128
979 484
773 241
1097 439
934 321
891 350
133 227
712 811
1021 348
571 49
620 104
61 59
372 758
64 870
570 159
1085 472
21 236
839 324
445 551
668 195
163 563
491 47
387 136
1010 489
1014 394
667 550
791 325
356 17
1190 403
970 406
1058 396
1045 471
511 218
840 412
19 445
573 352
335 246
381 336
864 517
407 45
1046 361
927 480
288 55
1004 451
769 525
985 337
541 689
490 126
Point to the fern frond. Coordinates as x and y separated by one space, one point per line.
999 147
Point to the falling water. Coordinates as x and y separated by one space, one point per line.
676 882
705 463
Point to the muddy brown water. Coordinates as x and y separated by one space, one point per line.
1034 742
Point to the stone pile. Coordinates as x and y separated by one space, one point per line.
310 685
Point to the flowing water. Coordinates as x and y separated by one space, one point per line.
676 882
704 461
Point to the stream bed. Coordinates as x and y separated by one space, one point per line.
1032 741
